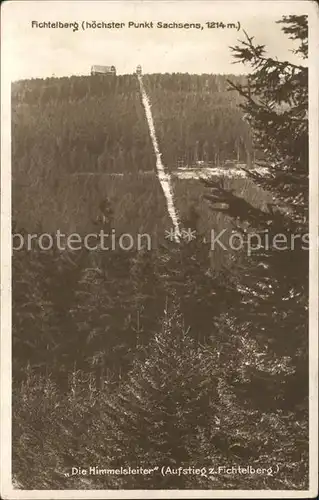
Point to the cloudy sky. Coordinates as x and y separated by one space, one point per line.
41 52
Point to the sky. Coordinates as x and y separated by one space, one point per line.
32 52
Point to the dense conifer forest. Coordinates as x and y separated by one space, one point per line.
181 355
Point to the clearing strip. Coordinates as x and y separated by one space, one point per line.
163 177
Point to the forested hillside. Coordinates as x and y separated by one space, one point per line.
210 125
178 355
78 125
98 125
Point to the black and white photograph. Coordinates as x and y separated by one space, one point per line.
159 226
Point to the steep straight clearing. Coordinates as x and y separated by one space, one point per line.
163 176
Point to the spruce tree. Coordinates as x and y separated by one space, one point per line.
159 415
273 280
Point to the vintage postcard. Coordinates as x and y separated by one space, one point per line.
159 247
